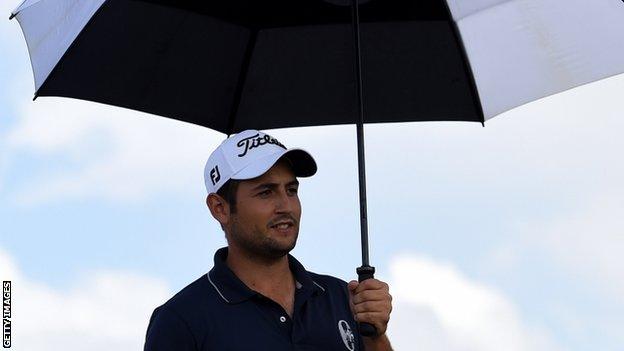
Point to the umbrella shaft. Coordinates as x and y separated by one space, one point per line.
360 132
362 180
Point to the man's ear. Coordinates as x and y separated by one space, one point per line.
219 208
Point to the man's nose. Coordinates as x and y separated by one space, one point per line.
284 203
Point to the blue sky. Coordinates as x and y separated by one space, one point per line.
508 236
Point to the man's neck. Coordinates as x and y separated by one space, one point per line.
271 278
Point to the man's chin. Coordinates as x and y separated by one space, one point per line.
279 251
278 248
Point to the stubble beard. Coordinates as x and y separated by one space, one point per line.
257 244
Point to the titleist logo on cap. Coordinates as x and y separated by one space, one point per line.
255 141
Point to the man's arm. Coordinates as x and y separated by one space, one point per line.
371 302
168 332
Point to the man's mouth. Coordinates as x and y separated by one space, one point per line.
283 225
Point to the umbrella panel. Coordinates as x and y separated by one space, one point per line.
204 70
410 72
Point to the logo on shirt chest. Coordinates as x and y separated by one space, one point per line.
347 335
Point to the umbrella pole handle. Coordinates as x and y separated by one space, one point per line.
366 272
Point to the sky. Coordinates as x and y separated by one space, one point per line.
508 236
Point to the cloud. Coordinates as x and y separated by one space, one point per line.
588 240
106 310
104 152
560 142
436 307
107 152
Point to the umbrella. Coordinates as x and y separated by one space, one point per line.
242 64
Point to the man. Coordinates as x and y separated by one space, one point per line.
257 296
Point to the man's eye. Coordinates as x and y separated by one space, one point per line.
265 192
293 190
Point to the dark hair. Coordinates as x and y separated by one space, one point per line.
228 192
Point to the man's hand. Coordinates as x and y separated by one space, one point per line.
371 302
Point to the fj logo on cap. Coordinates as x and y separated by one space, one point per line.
215 176
255 141
346 334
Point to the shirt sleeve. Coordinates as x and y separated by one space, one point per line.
167 331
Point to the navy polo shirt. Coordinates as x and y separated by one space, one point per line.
219 312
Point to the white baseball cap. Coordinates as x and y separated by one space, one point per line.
249 154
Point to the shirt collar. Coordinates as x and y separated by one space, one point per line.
232 290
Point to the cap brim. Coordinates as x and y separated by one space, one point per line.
302 163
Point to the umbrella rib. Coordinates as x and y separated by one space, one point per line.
242 78
467 67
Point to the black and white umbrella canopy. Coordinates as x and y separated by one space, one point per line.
239 64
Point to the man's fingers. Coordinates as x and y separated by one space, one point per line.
371 284
377 319
352 285
374 318
372 306
371 295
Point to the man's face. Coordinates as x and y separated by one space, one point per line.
266 222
